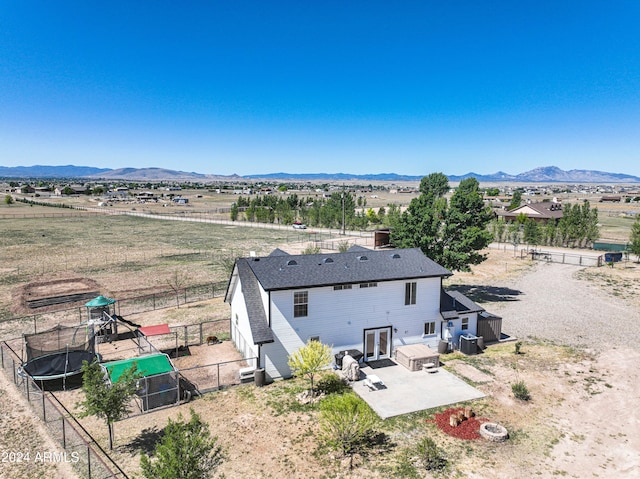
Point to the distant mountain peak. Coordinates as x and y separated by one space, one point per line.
543 174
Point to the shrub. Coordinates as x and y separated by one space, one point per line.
332 384
518 345
310 359
431 456
343 246
346 422
311 249
187 451
521 391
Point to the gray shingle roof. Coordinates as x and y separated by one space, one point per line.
358 266
257 318
453 302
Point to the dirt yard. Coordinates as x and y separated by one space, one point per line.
579 362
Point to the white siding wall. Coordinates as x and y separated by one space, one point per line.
339 318
458 331
240 329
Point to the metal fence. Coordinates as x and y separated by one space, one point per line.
211 377
563 258
169 299
12 327
84 454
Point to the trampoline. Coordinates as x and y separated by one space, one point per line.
57 365
57 354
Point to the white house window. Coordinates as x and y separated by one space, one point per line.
368 285
430 328
339 287
300 304
465 324
314 338
410 293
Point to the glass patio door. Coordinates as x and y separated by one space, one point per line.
377 344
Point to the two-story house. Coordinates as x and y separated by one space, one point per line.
369 300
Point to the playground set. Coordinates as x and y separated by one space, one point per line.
54 358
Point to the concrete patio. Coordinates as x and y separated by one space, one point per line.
407 391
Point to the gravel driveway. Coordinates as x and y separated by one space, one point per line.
550 303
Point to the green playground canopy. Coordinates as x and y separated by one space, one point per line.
148 365
99 301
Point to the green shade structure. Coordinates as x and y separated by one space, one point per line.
100 301
150 365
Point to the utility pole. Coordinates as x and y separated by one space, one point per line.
343 199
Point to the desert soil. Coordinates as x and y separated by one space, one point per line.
579 362
25 446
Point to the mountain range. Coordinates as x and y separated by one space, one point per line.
548 174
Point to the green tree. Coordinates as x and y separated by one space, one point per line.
549 233
531 232
310 359
451 234
186 451
107 401
234 211
513 232
634 238
68 191
420 225
578 225
434 185
516 200
465 231
8 199
392 215
498 227
346 422
591 230
371 216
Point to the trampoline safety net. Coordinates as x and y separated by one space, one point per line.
61 339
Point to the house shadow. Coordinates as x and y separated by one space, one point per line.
487 294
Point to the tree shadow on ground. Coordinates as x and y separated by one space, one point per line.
487 294
145 441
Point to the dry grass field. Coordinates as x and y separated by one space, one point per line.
579 423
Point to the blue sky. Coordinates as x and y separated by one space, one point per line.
249 87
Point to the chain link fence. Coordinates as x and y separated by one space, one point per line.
563 258
31 324
81 451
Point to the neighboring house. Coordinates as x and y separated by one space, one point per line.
146 196
542 212
73 189
369 300
610 199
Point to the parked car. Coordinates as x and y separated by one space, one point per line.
299 226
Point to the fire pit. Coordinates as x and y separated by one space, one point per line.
493 432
